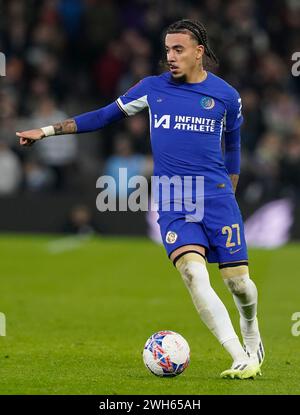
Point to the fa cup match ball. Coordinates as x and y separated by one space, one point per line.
166 353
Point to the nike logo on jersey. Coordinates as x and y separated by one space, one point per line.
236 250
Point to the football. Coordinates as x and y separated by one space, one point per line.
166 353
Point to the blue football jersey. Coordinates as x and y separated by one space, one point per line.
186 125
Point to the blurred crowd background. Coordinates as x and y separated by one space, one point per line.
65 57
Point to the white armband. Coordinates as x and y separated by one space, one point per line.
49 130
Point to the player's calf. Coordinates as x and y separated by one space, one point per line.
243 289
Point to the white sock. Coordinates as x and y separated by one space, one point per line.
234 348
209 306
244 294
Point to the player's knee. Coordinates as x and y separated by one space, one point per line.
188 265
236 279
237 285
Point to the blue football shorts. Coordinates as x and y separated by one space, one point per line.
221 230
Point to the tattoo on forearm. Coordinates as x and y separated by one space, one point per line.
234 180
65 127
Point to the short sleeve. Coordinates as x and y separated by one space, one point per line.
135 99
234 117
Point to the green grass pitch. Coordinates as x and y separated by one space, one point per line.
79 312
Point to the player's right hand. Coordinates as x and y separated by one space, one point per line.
29 137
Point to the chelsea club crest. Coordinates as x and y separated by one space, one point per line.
207 103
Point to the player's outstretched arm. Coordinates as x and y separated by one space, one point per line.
29 137
89 121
